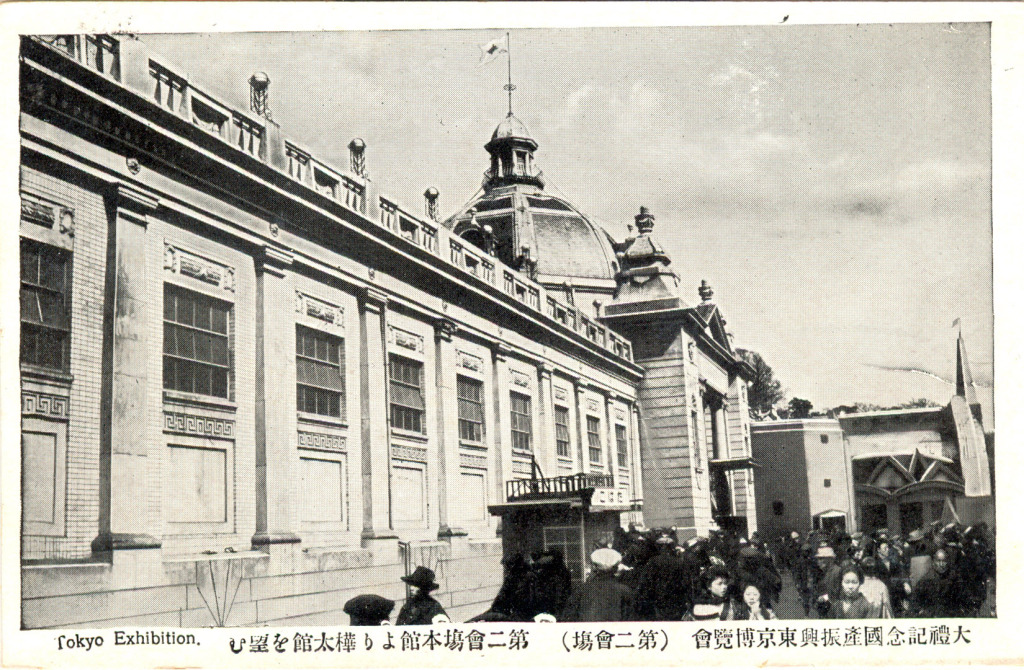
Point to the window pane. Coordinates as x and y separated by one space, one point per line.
219 350
220 383
52 307
220 320
202 342
29 264
30 306
203 316
28 346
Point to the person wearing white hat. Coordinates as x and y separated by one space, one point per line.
602 597
827 580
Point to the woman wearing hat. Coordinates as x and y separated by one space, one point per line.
420 608
369 610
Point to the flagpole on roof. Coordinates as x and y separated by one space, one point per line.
509 86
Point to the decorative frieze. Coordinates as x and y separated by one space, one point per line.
473 461
405 339
44 404
307 305
322 441
181 262
593 405
201 426
560 393
619 414
522 467
418 454
470 362
520 380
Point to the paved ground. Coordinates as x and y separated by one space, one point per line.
789 605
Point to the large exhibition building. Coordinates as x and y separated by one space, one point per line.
253 386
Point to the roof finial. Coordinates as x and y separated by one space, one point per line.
644 221
509 86
705 290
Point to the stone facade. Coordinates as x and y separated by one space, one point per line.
188 440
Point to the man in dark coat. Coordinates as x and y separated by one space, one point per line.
420 609
664 589
937 594
554 584
602 597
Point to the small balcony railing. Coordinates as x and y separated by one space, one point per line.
557 487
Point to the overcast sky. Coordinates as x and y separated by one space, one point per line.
832 183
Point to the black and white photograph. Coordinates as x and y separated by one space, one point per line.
505 329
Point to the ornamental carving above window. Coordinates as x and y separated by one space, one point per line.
188 264
471 362
405 339
318 309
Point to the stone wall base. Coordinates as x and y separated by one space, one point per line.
280 585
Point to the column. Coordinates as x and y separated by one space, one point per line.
546 452
126 506
609 428
582 449
502 419
276 456
374 415
447 428
636 464
636 469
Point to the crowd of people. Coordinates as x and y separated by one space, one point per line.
649 575
939 571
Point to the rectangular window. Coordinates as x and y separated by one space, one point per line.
621 445
319 372
522 422
562 431
471 409
594 438
197 356
45 298
407 407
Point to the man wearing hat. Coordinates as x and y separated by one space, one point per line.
828 580
420 609
369 610
602 597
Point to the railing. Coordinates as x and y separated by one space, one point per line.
247 133
100 53
558 487
298 163
248 136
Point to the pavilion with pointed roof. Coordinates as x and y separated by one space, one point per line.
906 469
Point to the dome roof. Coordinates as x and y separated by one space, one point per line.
510 126
563 242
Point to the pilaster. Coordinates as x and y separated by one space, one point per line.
546 452
503 419
447 427
582 450
276 449
375 424
124 454
609 429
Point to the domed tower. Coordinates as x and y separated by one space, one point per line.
516 220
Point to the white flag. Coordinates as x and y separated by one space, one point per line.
490 51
